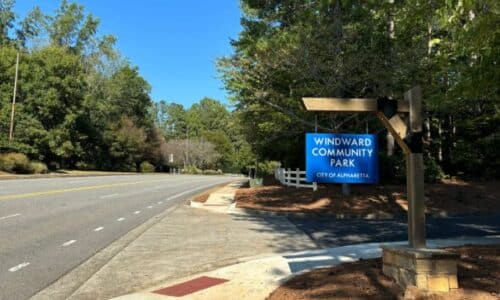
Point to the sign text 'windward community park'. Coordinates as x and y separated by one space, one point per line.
341 158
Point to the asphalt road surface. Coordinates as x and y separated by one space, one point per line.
49 226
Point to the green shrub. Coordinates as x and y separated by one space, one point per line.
191 170
15 163
212 172
81 165
433 172
146 167
54 165
266 168
39 167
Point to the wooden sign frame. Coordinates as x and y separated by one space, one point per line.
408 135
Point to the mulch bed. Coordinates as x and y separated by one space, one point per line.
478 277
202 198
447 198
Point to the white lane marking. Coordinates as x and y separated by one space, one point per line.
98 229
120 219
137 212
109 196
10 216
19 267
160 202
68 243
151 206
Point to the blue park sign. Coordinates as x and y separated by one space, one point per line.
341 158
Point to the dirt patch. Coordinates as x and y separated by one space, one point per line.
478 277
446 199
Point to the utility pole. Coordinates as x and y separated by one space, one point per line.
11 131
186 162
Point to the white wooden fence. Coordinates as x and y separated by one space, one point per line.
175 171
295 178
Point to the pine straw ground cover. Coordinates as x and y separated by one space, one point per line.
478 277
447 198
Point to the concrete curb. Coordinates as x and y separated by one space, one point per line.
66 285
257 278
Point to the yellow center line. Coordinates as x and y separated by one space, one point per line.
76 189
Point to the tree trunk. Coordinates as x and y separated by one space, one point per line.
428 136
440 146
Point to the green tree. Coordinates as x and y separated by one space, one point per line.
129 96
207 115
31 27
52 92
127 144
7 19
291 49
171 118
79 103
71 28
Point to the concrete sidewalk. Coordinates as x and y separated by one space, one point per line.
189 241
257 278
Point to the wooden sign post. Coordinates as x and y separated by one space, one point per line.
408 137
408 265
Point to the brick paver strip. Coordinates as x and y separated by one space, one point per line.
191 286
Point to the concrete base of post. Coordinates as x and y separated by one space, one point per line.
427 269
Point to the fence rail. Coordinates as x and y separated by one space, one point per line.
175 171
294 178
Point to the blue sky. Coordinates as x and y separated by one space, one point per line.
173 42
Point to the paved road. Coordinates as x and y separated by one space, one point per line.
49 226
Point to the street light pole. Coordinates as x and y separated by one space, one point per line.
11 131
